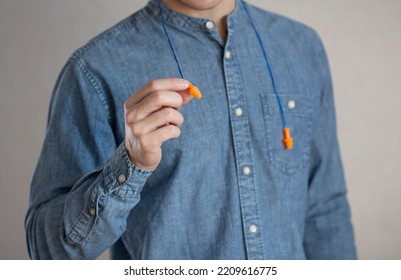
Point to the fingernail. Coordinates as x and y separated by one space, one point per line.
184 83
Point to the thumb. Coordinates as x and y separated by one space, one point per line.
186 97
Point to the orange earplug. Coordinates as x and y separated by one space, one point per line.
287 138
194 91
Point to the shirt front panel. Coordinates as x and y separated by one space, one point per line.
226 188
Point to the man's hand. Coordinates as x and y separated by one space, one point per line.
152 117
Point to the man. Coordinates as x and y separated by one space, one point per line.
110 174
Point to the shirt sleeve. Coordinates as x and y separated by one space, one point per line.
84 185
328 228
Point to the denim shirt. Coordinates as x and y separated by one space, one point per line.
226 188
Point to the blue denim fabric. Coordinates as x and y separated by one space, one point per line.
86 195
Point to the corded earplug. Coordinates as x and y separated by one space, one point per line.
287 138
194 91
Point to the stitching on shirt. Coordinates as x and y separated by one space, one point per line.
174 19
237 66
112 32
96 86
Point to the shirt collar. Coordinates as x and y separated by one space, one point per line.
180 20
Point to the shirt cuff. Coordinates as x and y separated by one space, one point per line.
124 178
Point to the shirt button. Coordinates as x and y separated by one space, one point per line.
92 211
246 170
209 24
291 104
227 55
121 178
238 112
253 229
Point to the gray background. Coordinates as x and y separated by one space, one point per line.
363 41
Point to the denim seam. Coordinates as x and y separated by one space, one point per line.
116 188
172 18
76 237
96 86
236 65
112 33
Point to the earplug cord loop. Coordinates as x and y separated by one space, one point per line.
196 93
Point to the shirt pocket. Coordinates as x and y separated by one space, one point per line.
297 109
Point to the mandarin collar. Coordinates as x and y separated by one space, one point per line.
183 21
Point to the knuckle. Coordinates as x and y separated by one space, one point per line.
180 119
127 117
159 97
180 100
152 85
135 130
164 115
177 132
168 113
130 116
169 130
173 131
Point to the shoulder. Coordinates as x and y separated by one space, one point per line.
292 40
285 29
123 34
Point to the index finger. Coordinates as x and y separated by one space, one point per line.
171 84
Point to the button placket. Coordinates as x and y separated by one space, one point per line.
243 153
238 112
253 228
246 170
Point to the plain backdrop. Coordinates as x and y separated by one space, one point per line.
363 41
